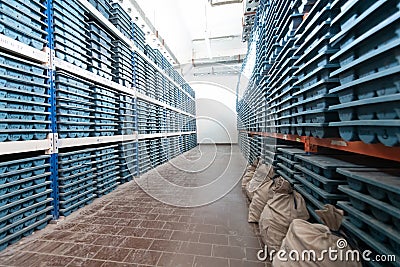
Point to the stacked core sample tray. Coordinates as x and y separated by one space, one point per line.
71 33
23 100
75 106
25 200
24 21
76 180
101 60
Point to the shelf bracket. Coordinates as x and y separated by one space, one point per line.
309 147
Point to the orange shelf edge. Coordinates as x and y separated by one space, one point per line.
374 150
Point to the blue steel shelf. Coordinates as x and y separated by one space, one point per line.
325 69
70 102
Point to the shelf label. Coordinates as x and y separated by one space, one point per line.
338 143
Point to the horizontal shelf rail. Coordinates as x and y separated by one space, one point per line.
161 135
19 48
157 102
25 146
373 150
73 142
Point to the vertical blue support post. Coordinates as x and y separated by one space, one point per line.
52 110
135 113
54 186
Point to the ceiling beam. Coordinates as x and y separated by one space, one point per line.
227 60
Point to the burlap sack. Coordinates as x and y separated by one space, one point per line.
263 172
285 206
304 236
246 178
255 162
259 200
249 172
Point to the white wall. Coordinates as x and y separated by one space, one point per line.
216 113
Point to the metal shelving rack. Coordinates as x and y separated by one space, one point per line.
327 74
90 117
28 194
308 68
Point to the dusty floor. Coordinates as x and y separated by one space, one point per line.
130 228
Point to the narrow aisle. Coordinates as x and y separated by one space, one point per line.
130 228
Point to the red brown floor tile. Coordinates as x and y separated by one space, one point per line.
165 245
21 259
228 252
196 248
118 264
176 226
202 228
158 234
44 246
128 222
168 218
112 254
69 225
202 261
145 216
145 257
36 246
152 224
106 229
109 240
130 231
59 235
51 260
82 251
184 212
213 239
245 241
79 262
137 243
57 248
86 238
192 219
105 221
185 236
175 260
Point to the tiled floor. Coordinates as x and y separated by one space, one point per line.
130 228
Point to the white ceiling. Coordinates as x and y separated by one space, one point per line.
221 20
181 21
